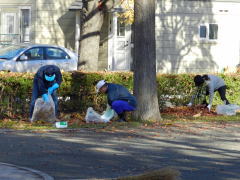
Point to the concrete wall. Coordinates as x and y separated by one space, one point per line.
179 48
54 24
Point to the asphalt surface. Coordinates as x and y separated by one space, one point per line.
206 151
12 172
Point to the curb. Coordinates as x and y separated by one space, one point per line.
39 173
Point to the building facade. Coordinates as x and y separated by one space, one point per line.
37 21
192 36
197 35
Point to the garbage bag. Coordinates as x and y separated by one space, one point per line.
93 116
108 114
44 111
229 110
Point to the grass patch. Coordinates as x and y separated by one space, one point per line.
217 118
79 123
24 125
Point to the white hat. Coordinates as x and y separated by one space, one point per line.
100 84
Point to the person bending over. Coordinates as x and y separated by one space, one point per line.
46 81
213 83
119 98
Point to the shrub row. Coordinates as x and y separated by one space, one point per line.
77 91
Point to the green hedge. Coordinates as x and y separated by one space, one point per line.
181 87
77 91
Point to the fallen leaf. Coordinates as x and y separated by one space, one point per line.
197 115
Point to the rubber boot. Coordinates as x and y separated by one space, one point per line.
226 102
122 117
205 103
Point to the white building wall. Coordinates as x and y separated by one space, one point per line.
179 48
51 21
54 23
14 7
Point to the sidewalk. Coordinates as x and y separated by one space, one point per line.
12 172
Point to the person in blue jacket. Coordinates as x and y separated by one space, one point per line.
46 81
119 98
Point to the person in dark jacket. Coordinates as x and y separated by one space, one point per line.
119 98
46 81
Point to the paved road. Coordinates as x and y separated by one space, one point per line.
200 151
12 172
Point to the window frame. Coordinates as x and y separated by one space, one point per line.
209 31
120 26
199 31
45 53
207 38
4 23
23 53
20 21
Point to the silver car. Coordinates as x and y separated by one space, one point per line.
29 57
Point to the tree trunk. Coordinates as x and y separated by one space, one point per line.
90 36
145 84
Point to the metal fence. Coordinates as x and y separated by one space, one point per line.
8 39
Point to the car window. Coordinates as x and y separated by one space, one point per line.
34 54
55 53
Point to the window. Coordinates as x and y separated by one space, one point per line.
213 31
55 53
208 32
120 27
10 24
25 25
203 31
25 17
9 28
34 54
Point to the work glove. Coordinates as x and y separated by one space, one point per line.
189 104
209 107
54 87
45 97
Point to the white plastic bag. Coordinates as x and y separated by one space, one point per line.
93 116
108 114
44 111
229 110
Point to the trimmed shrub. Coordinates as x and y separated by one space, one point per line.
77 91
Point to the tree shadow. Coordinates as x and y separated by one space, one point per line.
59 23
65 21
179 48
88 154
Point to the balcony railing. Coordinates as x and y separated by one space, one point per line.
8 39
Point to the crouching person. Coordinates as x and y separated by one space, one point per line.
46 81
213 83
119 98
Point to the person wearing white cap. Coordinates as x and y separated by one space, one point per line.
119 98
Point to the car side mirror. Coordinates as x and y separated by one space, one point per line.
23 57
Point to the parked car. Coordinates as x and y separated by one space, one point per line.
30 57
